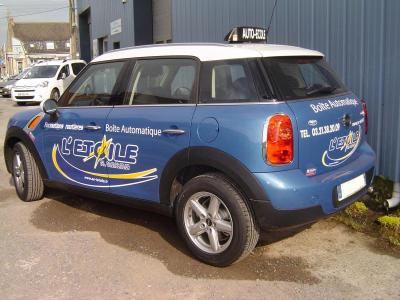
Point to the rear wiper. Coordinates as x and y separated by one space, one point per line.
323 89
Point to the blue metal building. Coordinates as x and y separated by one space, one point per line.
360 39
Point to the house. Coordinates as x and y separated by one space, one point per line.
30 42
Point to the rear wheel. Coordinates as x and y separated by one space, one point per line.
27 180
215 220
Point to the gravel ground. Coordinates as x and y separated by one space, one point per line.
66 247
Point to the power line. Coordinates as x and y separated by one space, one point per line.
37 13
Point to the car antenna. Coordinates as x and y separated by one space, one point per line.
272 15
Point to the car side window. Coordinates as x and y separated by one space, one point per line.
95 87
227 81
64 70
163 81
77 67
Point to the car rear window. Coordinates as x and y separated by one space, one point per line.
303 77
227 81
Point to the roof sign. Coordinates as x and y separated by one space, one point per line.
247 34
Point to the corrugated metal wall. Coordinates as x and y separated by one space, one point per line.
360 39
103 12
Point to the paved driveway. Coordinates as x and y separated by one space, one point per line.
67 247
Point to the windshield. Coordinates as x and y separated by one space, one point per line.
22 74
303 77
42 72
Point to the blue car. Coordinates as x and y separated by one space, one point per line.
230 139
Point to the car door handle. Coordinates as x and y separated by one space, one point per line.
92 127
173 131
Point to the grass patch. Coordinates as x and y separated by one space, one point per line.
390 228
355 216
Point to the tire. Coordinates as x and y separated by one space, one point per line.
27 179
233 225
55 94
21 103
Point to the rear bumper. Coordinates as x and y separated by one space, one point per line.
293 199
270 218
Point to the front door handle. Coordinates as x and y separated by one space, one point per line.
92 127
173 131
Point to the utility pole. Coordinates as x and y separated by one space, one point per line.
73 28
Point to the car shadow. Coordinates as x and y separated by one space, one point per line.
157 236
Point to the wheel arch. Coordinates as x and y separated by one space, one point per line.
194 161
15 135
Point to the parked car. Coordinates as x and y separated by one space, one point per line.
46 80
231 140
6 86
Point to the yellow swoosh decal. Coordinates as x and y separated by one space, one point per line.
54 157
113 176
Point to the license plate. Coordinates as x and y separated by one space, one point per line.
23 94
351 187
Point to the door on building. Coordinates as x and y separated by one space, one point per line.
154 123
19 67
84 35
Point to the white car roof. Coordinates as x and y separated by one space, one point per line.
58 62
208 52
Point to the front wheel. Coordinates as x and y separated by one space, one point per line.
27 179
215 221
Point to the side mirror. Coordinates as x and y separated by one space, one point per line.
49 106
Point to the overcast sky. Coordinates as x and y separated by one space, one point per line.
19 7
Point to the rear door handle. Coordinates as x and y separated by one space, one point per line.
92 127
173 131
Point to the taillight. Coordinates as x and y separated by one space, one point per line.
279 140
365 112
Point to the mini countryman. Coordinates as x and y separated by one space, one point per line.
229 139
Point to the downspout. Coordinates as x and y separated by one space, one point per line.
395 200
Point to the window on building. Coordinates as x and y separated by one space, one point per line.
116 45
163 81
227 81
96 87
50 45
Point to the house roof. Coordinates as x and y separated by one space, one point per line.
43 37
44 31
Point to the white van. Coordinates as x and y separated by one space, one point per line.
46 80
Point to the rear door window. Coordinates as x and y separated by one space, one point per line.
227 81
77 67
303 77
163 81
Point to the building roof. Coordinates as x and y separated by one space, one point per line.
209 52
43 38
44 31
